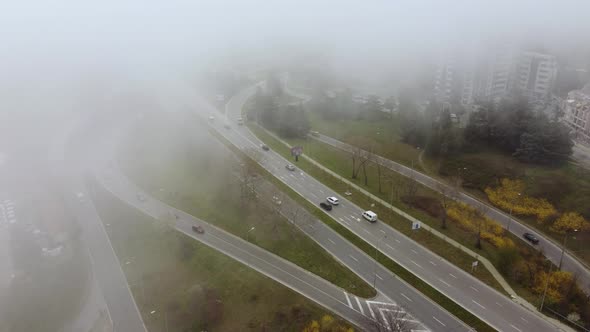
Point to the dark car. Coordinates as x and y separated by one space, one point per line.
265 147
326 206
198 229
531 238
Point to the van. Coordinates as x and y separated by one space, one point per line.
370 216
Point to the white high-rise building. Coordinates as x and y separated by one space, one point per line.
535 75
576 113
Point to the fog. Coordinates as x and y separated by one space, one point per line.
65 62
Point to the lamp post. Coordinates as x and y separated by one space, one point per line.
563 248
248 233
510 215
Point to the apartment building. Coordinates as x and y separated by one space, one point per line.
576 113
535 76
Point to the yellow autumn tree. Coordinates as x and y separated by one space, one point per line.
570 221
469 220
509 196
327 324
314 326
556 283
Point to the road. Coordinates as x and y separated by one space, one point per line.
486 303
423 314
73 161
551 250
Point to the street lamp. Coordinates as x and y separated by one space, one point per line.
248 233
510 215
563 248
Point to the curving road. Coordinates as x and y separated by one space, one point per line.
486 303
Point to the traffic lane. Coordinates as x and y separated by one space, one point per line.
551 250
122 308
467 289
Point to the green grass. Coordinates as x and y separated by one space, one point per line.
383 136
192 287
195 176
395 268
336 161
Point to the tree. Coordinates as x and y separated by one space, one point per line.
557 284
569 222
396 320
449 195
293 122
546 142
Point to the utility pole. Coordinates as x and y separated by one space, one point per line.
563 248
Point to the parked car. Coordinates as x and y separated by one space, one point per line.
290 167
531 238
264 147
326 206
370 216
198 229
333 200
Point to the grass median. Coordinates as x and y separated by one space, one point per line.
395 268
191 172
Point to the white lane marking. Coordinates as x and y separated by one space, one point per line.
452 275
341 219
346 222
418 265
382 231
475 289
392 248
433 263
370 309
351 256
348 299
478 304
441 323
407 298
524 320
414 251
323 193
498 304
444 282
366 231
396 240
360 306
378 276
331 241
516 328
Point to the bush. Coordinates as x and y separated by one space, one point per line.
429 205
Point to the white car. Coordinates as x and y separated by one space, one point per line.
290 167
80 197
140 197
370 216
333 200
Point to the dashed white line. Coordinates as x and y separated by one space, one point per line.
392 248
498 304
407 298
433 263
441 323
516 328
452 275
418 265
351 256
366 231
414 251
444 282
396 240
475 289
331 241
524 320
382 231
378 276
478 304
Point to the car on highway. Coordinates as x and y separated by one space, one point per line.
211 118
140 197
531 238
333 200
290 167
240 121
326 206
81 197
315 133
198 229
264 147
370 216
226 126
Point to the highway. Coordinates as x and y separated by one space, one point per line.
486 303
550 249
423 314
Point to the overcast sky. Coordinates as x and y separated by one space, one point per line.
66 37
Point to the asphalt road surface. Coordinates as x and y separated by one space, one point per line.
486 303
551 250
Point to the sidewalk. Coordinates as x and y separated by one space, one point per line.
435 232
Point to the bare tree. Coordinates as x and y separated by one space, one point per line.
396 320
360 156
248 174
